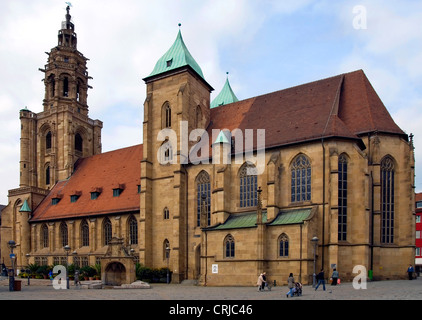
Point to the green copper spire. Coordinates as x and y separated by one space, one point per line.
226 96
177 56
25 207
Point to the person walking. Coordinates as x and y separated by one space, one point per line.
334 276
290 285
321 280
260 282
410 271
265 282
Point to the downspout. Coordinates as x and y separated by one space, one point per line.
187 221
300 257
323 203
371 236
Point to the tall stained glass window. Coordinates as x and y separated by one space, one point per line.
301 179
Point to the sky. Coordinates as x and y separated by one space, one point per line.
265 45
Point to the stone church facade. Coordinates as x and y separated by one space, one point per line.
331 163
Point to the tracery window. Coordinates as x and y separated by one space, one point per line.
44 236
229 247
248 186
64 234
342 198
133 230
387 200
203 187
107 231
283 246
85 233
301 179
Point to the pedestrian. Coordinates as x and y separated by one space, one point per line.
290 285
321 279
334 277
260 282
410 271
265 282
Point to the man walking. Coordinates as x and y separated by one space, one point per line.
321 280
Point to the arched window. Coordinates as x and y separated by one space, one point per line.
44 236
166 116
166 151
47 175
166 250
342 198
78 142
64 234
248 185
283 246
85 233
48 140
52 84
229 247
133 230
107 231
65 87
301 179
166 213
203 187
387 200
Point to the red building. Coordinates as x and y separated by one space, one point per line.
418 254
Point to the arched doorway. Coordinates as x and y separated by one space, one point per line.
115 274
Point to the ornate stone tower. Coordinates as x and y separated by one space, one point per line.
176 93
53 140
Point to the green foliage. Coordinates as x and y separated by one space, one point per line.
88 271
151 275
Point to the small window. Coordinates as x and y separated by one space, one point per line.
117 192
55 201
169 63
74 198
94 195
166 214
419 204
418 219
139 188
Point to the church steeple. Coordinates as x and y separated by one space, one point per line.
67 36
225 96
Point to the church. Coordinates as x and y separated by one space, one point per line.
313 176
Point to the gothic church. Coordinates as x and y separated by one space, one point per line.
336 185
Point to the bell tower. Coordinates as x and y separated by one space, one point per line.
53 140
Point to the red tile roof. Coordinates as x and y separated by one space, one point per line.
103 172
343 106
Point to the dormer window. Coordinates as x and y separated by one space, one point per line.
95 195
75 196
117 192
55 201
169 63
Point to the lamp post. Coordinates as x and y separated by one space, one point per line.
315 242
12 244
67 249
168 257
28 270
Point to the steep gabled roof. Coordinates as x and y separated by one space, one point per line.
343 106
100 173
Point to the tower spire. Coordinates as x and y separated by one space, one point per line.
67 36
